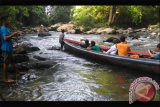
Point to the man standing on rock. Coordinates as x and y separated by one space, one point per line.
7 48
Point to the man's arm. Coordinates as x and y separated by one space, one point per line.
9 37
150 53
89 48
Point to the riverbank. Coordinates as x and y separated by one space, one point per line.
72 28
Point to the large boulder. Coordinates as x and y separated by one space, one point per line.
66 27
152 27
44 34
44 64
71 31
25 47
19 50
99 30
39 58
110 39
92 31
108 31
45 29
54 27
26 30
34 48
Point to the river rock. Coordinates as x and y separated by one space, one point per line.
135 37
53 48
66 27
99 30
44 34
25 47
26 30
44 64
49 28
19 50
54 27
39 57
71 31
20 58
120 31
108 31
92 31
152 27
45 29
111 40
34 48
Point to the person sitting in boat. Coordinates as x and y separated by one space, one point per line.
153 54
113 48
94 47
84 45
122 47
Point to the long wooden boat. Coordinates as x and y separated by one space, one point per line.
143 64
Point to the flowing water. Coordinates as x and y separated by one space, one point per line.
75 78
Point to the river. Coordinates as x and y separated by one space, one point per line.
75 78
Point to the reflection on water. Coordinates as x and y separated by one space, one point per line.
75 78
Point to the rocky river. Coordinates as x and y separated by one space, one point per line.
54 75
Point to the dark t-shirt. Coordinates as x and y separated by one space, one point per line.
84 46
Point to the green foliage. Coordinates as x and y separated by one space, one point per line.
97 16
28 15
91 15
60 14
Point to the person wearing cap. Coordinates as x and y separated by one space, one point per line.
84 45
123 48
113 48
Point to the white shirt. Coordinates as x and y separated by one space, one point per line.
112 50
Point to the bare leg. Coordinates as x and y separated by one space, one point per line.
18 72
6 79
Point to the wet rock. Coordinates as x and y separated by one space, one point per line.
135 37
44 34
30 77
44 64
39 58
34 48
19 50
20 58
53 48
24 48
111 40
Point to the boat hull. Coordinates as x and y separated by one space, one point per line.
134 63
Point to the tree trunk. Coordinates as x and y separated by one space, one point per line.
112 15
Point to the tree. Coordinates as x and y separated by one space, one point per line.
112 15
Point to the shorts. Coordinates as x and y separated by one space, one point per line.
8 57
